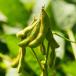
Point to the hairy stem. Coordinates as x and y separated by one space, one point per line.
46 63
64 37
72 38
37 59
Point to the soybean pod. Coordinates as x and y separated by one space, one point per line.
42 32
32 35
23 33
44 28
49 35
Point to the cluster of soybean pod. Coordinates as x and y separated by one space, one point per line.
34 34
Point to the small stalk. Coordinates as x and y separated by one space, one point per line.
72 38
46 64
45 70
37 59
52 60
64 37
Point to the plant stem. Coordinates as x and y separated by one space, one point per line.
37 59
46 64
64 37
72 38
52 60
53 57
45 72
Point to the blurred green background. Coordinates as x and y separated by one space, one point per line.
17 14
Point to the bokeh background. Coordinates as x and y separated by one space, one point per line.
17 14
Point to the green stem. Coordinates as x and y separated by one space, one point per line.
64 37
53 63
46 64
45 72
43 49
52 60
37 59
72 38
53 57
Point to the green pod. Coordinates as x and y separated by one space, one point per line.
41 35
43 30
31 36
49 35
37 40
24 32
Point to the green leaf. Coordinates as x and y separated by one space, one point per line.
14 11
28 4
12 42
70 68
71 1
